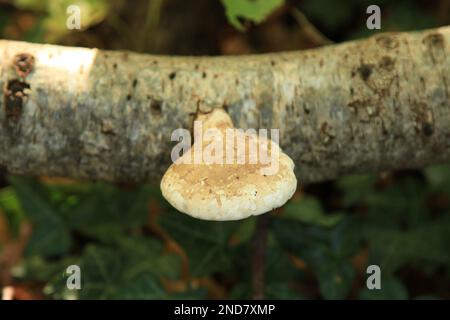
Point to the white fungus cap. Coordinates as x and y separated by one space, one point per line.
228 191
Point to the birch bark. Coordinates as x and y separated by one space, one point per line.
377 104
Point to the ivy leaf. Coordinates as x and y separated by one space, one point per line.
309 210
50 235
147 287
281 291
205 242
335 278
144 286
438 177
331 14
244 231
326 250
279 272
131 271
356 188
106 213
392 248
254 10
143 254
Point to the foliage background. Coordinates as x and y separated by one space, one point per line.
131 244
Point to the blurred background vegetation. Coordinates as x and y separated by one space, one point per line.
131 244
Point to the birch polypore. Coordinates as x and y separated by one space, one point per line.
229 189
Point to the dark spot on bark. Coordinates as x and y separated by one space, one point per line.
265 111
352 91
236 81
107 128
387 41
14 95
387 63
423 117
427 129
215 76
435 44
326 131
172 75
24 64
422 82
365 70
135 82
156 107
128 97
273 63
357 104
115 66
434 39
204 75
306 109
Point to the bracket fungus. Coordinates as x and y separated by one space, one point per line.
221 177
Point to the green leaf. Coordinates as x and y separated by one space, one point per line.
54 23
146 255
330 13
356 188
326 250
245 230
438 176
335 278
35 5
279 272
143 286
205 242
407 16
146 286
425 245
254 10
130 271
12 210
5 20
107 213
309 210
51 272
281 291
50 235
38 268
102 270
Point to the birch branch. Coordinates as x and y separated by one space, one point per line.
377 104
